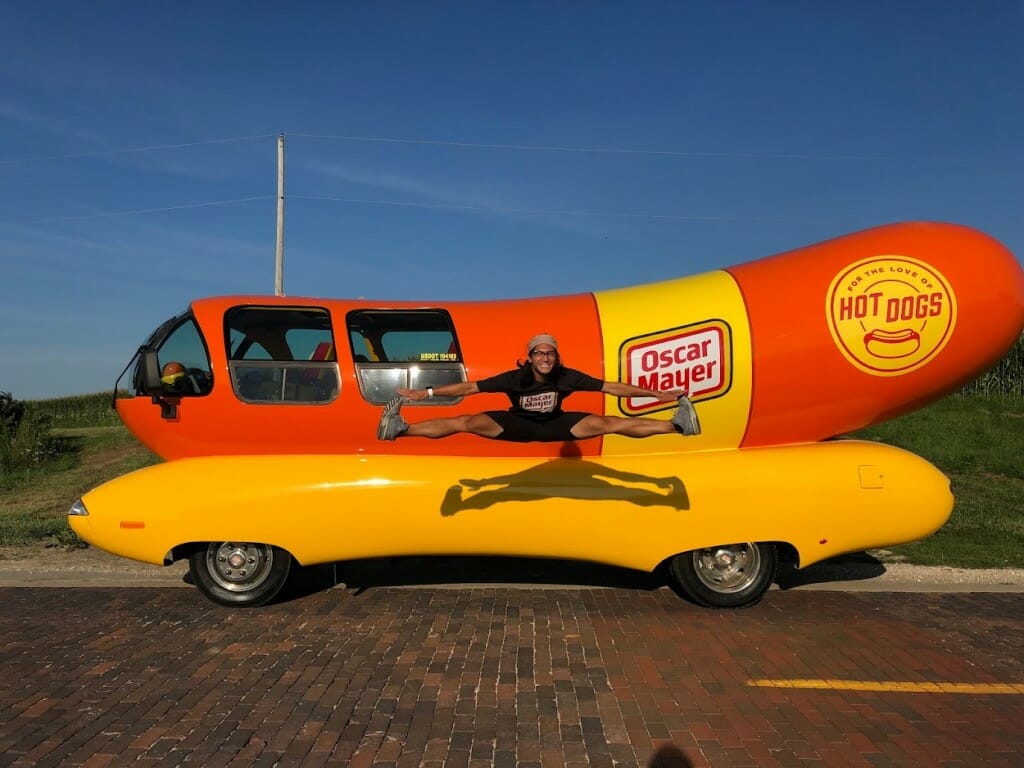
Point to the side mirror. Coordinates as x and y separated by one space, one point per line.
151 383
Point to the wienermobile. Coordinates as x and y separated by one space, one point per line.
268 430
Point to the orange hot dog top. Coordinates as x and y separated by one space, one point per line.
866 327
796 347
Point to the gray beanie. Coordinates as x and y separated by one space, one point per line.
541 338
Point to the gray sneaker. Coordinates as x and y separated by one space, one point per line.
685 418
391 422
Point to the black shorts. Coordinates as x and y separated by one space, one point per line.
523 429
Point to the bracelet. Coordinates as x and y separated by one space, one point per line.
430 391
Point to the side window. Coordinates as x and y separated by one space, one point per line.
282 355
184 362
404 348
252 350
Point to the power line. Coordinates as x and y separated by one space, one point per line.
398 204
130 150
516 148
528 211
438 206
654 152
114 214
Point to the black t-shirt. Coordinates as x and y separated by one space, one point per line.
540 399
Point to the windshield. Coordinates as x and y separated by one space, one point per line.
184 361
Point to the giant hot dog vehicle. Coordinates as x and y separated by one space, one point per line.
271 456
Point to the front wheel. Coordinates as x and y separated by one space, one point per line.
239 574
726 576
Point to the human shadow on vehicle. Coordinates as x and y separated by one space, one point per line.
568 478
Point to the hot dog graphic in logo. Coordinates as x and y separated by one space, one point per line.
890 315
892 344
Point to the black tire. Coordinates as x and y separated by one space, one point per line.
726 576
239 574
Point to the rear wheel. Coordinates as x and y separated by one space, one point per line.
726 576
238 574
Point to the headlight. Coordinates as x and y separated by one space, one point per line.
78 509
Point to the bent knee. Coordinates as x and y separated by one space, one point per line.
461 423
592 425
480 424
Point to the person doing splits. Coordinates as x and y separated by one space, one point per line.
537 388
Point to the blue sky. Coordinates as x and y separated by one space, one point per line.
468 150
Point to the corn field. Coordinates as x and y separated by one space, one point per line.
1005 378
78 411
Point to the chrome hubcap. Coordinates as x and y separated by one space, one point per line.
239 567
728 568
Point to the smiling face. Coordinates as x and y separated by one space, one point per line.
543 359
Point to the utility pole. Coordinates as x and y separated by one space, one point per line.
279 260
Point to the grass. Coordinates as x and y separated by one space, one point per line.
35 508
976 439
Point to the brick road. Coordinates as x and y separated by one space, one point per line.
504 676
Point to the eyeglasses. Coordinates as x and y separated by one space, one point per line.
545 353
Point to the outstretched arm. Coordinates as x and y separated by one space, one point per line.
621 389
459 389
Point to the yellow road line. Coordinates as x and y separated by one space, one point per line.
900 687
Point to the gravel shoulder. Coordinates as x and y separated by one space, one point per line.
55 566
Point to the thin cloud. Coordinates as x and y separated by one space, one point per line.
446 196
137 255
